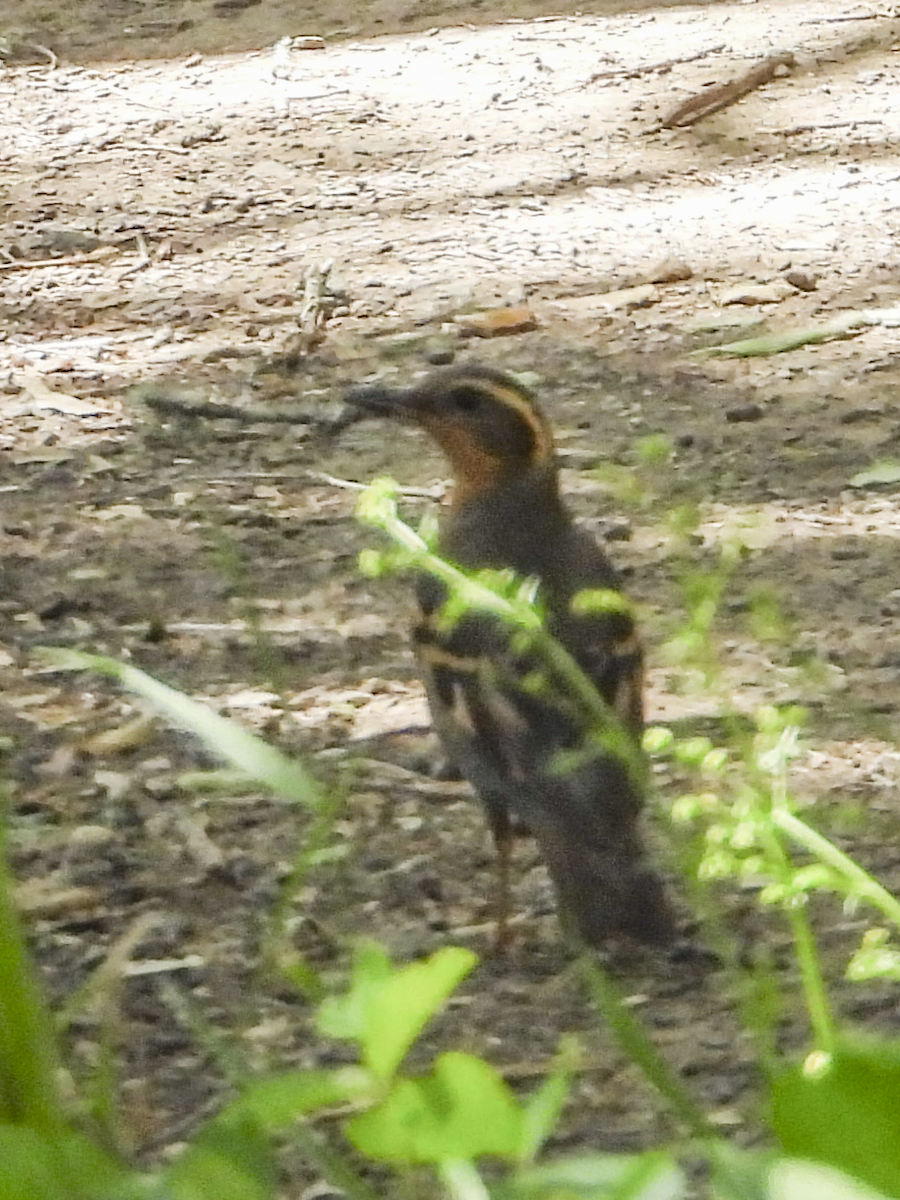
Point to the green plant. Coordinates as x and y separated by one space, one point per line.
749 829
833 1111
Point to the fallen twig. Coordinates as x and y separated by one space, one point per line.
794 129
7 50
212 410
410 493
716 98
665 65
71 260
874 16
143 259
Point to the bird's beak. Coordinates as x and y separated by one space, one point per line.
379 401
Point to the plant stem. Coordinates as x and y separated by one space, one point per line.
633 1040
462 1180
28 1061
824 850
814 990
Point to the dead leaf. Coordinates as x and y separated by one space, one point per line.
497 322
44 898
130 736
61 402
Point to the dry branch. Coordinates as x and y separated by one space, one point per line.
716 98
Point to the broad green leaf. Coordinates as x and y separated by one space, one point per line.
846 1114
282 775
347 1016
462 1110
760 1175
737 1174
274 1103
793 1180
231 1161
387 1008
36 1167
28 1167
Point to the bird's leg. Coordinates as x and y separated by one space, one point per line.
504 834
502 933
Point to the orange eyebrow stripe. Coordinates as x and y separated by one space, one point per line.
512 398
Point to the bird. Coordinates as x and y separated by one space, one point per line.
527 749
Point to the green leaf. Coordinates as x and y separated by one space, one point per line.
230 1161
846 1114
793 1180
737 1174
282 775
543 1108
651 1176
599 600
462 1110
29 1094
347 1016
387 1008
875 959
276 1102
885 471
28 1167
63 1167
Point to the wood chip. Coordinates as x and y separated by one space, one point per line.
497 322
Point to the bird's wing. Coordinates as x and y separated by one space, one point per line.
527 755
528 750
607 648
510 721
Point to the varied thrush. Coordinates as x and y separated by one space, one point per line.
528 754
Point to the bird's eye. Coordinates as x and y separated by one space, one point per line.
466 400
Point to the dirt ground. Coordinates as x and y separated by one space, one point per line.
162 220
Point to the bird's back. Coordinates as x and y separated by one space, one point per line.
531 748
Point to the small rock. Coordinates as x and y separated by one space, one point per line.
803 281
307 41
55 240
201 134
231 6
672 270
630 298
744 412
866 413
756 293
440 358
92 835
617 530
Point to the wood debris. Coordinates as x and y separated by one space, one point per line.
714 99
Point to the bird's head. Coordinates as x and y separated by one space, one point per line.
489 425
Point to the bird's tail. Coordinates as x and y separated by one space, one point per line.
596 861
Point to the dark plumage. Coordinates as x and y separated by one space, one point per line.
505 511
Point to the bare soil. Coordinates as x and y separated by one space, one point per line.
160 221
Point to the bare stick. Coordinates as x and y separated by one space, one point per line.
714 99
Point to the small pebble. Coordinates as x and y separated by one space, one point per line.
803 281
744 412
